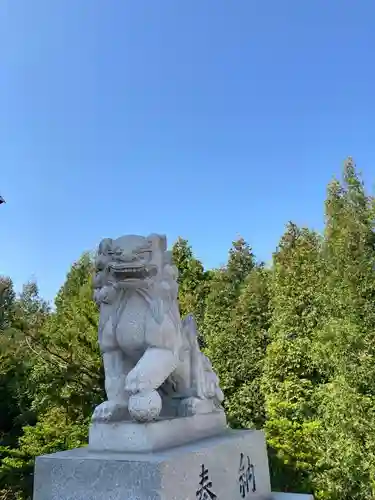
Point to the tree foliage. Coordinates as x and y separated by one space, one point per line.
193 281
241 349
346 405
293 345
64 375
290 372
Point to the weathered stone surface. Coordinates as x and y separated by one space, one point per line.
128 436
219 464
151 357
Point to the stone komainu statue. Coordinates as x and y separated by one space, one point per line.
152 361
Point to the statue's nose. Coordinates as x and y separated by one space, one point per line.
128 257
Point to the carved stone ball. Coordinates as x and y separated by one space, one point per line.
145 406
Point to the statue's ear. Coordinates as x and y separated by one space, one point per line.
105 245
159 240
168 258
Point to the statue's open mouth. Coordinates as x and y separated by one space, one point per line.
127 272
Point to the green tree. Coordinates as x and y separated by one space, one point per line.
291 373
70 345
345 404
226 285
192 280
241 349
19 315
225 288
7 298
66 375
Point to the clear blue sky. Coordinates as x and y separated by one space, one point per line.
205 119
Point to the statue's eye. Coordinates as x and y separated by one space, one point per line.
144 255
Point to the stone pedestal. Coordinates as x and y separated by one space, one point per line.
128 436
231 466
291 496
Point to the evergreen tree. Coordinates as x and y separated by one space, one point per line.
66 376
241 349
225 289
7 298
69 373
19 315
345 403
291 373
192 280
10 364
294 347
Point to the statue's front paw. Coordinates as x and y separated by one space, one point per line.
137 382
110 411
145 406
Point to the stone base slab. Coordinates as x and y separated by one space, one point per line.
128 436
291 496
231 466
